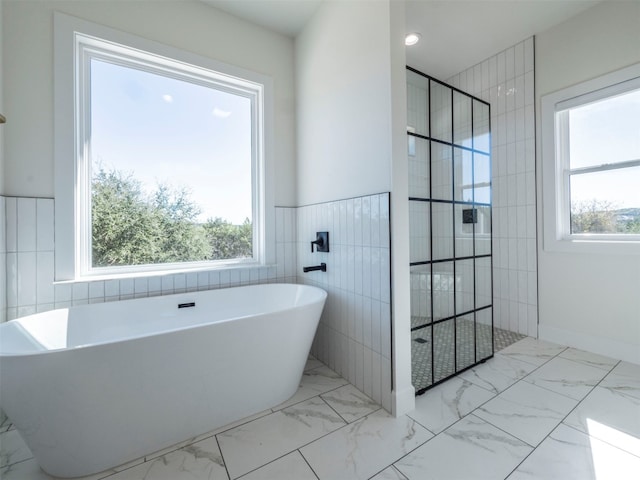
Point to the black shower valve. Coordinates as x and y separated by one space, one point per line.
321 242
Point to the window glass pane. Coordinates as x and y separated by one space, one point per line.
606 202
171 166
606 131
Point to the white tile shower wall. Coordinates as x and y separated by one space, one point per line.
27 257
354 334
506 81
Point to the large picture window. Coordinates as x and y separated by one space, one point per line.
595 162
168 164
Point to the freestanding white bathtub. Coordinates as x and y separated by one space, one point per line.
95 386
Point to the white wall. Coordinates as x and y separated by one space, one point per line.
351 119
343 102
189 25
589 301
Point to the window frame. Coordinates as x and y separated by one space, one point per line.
556 171
75 43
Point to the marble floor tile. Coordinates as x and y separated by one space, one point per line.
350 403
570 454
389 473
609 415
447 403
289 467
365 447
471 448
312 362
625 379
589 358
314 382
532 351
206 435
12 448
498 373
199 460
5 426
526 411
257 443
567 377
30 470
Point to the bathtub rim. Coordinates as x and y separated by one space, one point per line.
10 355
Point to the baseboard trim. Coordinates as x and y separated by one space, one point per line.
403 401
602 346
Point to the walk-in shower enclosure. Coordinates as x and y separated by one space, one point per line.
449 148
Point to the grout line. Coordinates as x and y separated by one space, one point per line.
562 421
224 463
305 460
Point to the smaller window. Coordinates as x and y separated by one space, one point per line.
591 169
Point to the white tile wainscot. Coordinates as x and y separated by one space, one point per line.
354 334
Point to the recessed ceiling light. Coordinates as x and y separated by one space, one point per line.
412 39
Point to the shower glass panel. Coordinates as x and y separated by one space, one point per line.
462 133
463 168
465 294
441 111
465 341
443 355
482 235
484 333
442 230
419 231
464 230
442 289
417 103
418 153
449 146
481 127
441 172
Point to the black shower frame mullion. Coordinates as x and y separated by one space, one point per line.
455 202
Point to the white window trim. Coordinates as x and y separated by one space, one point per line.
68 31
555 201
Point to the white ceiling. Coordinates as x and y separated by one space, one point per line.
285 16
456 34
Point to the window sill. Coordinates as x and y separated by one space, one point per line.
164 272
593 246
